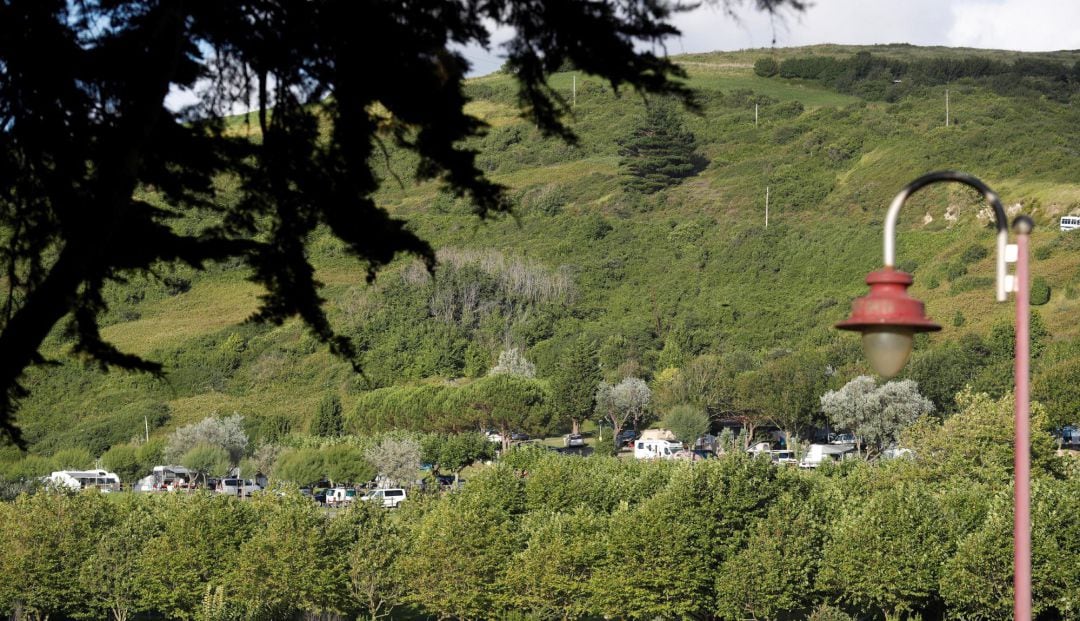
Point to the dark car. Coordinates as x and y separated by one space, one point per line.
320 496
627 437
517 436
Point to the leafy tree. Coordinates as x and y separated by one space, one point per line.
151 454
194 552
304 466
86 129
785 391
375 580
773 575
687 423
1058 389
624 403
976 443
549 577
573 385
73 459
659 151
887 554
289 564
110 577
123 459
876 415
469 538
328 419
207 460
943 371
347 464
397 460
509 403
461 449
706 381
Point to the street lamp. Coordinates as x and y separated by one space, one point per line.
888 319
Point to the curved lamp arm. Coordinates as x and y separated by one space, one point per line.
966 179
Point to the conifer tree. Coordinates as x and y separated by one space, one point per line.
328 420
659 151
573 386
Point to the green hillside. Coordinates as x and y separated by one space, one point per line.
654 280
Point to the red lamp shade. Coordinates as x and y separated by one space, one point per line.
888 318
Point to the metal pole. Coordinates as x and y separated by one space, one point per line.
1022 453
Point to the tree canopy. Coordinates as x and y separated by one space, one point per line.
85 134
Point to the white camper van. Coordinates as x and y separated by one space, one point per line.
656 449
83 479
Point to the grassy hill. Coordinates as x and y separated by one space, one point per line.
654 280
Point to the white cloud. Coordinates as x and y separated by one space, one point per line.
1027 25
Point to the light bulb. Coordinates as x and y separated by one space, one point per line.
888 348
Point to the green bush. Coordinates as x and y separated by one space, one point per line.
766 67
1040 291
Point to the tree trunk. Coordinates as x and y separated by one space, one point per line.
574 426
615 429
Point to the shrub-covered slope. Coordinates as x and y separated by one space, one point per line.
654 280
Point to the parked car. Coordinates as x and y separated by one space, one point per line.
340 496
842 438
319 496
518 436
232 486
572 440
390 497
494 436
627 437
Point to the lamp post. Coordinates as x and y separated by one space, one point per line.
888 319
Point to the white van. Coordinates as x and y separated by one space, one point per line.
340 496
656 449
232 486
390 497
1069 223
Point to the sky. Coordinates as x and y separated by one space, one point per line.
1024 25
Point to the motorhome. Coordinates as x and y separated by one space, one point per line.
232 486
1069 223
164 478
656 449
817 454
84 479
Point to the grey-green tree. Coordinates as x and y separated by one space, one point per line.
573 385
624 403
875 414
659 151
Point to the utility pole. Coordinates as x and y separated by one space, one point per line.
146 423
766 206
574 100
946 107
755 115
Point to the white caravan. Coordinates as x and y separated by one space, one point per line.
390 497
656 449
817 454
82 479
